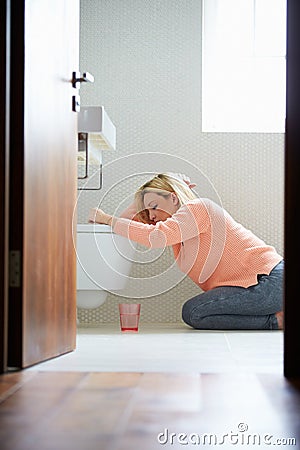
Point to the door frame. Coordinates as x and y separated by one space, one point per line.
4 176
292 192
16 173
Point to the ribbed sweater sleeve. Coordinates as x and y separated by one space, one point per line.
181 226
217 250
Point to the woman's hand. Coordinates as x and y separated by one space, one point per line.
99 216
183 177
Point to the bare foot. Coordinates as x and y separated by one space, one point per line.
279 317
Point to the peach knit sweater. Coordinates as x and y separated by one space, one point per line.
208 245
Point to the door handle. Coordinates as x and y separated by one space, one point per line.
77 79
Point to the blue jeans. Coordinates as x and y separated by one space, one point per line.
238 308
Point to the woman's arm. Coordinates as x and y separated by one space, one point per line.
183 177
188 222
130 212
97 215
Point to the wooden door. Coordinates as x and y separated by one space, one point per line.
42 293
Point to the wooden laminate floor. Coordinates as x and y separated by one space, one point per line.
117 411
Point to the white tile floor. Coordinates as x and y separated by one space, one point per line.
171 348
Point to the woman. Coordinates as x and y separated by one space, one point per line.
241 276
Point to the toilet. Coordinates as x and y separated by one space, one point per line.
104 260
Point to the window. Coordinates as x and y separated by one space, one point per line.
243 66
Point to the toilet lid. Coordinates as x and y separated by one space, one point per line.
93 228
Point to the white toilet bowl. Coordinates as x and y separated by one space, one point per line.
104 260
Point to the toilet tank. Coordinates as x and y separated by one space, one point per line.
104 259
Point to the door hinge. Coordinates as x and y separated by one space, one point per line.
14 268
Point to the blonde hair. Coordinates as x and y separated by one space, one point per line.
162 184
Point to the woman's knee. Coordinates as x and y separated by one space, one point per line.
186 312
195 321
191 316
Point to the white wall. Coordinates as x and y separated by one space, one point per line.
146 59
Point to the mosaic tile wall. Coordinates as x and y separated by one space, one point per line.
146 59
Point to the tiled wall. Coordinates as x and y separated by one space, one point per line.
146 59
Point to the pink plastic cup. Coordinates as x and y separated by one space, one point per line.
129 316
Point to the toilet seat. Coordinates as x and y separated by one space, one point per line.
93 228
